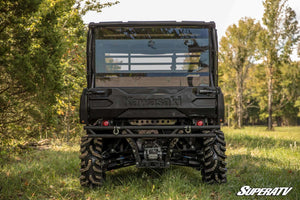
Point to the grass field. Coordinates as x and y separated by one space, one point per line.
255 157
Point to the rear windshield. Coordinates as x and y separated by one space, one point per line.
151 56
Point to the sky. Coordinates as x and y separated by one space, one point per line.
223 12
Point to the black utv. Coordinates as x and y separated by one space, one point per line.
152 99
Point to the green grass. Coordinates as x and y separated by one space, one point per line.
256 157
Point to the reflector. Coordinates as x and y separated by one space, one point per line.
200 123
105 123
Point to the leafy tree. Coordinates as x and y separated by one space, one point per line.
277 40
30 62
73 62
92 5
42 61
237 56
74 65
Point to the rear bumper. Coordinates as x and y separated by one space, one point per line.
125 131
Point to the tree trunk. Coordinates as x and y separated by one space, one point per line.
239 99
228 121
270 98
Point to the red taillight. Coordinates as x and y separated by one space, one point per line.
200 123
105 123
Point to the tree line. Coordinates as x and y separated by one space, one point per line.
42 67
258 76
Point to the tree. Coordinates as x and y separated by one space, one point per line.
276 44
74 65
30 62
40 41
237 55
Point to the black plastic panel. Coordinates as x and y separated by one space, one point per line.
221 107
173 102
83 112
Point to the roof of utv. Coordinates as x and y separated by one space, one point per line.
152 23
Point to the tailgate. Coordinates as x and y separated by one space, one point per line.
163 102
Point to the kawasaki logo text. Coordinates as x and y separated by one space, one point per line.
169 101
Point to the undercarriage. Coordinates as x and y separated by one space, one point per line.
113 147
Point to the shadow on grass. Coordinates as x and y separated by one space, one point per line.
131 174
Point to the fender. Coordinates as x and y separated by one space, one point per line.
83 110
